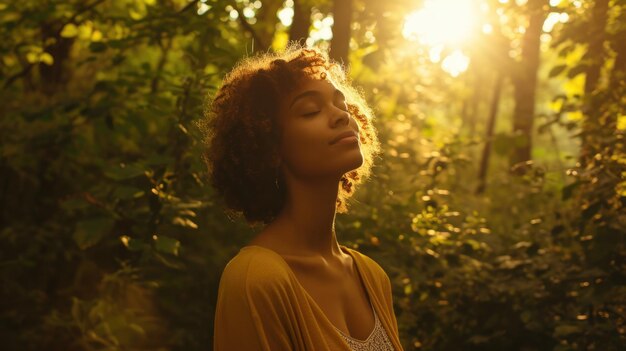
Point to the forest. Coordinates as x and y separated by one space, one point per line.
496 207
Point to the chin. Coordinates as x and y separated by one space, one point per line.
355 164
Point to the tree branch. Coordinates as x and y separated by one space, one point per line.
18 75
78 13
249 28
188 6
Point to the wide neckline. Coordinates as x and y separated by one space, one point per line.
376 321
361 277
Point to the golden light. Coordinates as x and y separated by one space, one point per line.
444 24
448 22
487 28
455 63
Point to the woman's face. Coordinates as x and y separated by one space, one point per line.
312 117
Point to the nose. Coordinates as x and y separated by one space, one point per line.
340 117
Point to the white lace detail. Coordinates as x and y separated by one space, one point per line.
376 341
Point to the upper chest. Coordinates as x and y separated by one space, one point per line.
340 293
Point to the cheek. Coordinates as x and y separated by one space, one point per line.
306 151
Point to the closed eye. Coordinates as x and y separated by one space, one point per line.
343 107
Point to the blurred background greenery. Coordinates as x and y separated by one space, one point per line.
497 208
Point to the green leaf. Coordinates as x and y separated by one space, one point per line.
184 222
188 204
167 245
576 71
124 171
168 261
566 50
46 58
557 70
591 210
69 30
74 204
374 59
565 330
124 192
567 191
88 233
97 46
76 310
133 244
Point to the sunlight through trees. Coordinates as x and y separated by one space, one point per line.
496 207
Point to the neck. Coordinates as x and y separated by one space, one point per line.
307 221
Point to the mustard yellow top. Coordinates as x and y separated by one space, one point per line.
262 306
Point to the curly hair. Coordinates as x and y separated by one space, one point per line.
241 130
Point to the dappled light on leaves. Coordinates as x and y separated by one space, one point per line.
111 236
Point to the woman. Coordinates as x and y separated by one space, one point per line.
288 139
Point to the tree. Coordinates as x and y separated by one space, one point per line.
525 81
299 30
263 27
340 43
491 121
595 59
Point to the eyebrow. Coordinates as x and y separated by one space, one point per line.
337 92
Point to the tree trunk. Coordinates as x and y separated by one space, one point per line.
597 57
618 72
340 44
476 96
165 45
263 30
467 99
595 51
299 30
56 75
493 113
525 83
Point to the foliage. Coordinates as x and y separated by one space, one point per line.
101 176
110 237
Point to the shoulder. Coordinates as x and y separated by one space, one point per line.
372 267
254 269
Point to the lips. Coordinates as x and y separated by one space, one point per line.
346 134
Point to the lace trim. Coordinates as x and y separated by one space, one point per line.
376 341
369 337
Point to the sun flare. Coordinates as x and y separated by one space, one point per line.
443 23
448 22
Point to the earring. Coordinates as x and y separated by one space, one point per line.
277 175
